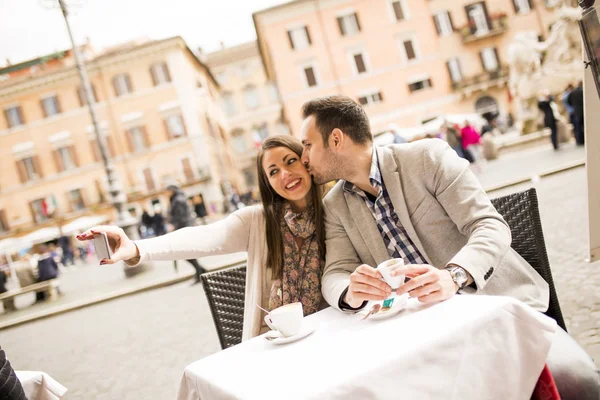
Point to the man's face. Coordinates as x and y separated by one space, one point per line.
322 163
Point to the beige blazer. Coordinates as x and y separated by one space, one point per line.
243 230
446 213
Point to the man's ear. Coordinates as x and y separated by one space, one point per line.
336 139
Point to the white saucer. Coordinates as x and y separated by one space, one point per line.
276 338
398 305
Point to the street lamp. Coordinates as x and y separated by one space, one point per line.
124 220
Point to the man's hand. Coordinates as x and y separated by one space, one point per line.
366 284
427 283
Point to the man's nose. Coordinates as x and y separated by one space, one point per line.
304 157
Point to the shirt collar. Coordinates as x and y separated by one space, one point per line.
374 176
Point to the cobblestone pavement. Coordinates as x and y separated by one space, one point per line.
136 347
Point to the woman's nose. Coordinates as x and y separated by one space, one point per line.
285 173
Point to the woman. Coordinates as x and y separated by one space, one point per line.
284 237
550 120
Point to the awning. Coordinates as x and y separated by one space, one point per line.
42 235
83 223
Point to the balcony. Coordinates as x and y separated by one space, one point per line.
497 25
482 81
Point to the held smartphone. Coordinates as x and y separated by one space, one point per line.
102 247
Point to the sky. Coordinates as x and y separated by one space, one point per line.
31 28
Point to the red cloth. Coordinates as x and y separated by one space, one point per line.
545 388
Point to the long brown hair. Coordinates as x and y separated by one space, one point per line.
272 204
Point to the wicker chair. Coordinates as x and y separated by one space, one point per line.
225 291
520 211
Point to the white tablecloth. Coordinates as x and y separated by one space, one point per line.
40 386
469 347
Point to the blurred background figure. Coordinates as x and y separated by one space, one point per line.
453 138
550 120
575 100
146 225
471 142
179 217
569 107
64 242
158 224
47 269
200 208
8 304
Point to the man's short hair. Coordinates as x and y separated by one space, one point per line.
339 112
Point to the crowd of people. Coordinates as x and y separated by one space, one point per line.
417 201
572 101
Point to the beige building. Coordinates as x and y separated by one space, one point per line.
250 103
405 61
159 108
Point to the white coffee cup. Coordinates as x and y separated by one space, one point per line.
386 268
286 319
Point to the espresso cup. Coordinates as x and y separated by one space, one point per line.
386 268
286 319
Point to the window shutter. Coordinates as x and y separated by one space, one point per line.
167 73
21 171
58 161
129 139
167 131
531 4
111 146
185 133
482 60
153 74
497 58
340 21
129 86
289 33
451 21
146 136
515 6
115 86
37 166
58 107
437 25
80 96
43 108
74 156
8 124
94 94
307 35
3 221
20 112
357 21
95 150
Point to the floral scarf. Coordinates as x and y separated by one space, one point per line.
302 267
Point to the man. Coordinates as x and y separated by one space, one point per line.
179 217
421 202
575 100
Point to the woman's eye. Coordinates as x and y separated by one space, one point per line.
292 160
273 171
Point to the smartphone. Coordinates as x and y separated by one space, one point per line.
102 247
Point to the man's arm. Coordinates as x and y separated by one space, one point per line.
461 195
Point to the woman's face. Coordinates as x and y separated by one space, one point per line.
286 173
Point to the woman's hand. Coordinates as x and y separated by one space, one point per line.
122 248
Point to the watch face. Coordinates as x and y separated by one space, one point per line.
460 277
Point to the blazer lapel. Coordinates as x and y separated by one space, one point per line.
391 179
366 225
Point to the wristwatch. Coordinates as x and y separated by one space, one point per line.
459 276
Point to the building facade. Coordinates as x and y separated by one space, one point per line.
159 109
405 61
250 103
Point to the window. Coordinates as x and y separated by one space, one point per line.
310 76
399 10
299 38
160 74
188 171
522 6
83 99
50 106
443 23
149 179
110 147
29 169
239 141
65 158
251 97
76 200
409 49
349 24
359 63
3 221
228 104
263 131
137 139
454 70
489 59
272 90
419 85
122 84
371 98
14 116
478 18
42 209
175 126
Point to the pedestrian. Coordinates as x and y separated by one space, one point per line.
159 226
471 142
453 138
575 100
47 269
64 242
180 217
568 107
200 208
284 237
146 221
550 121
